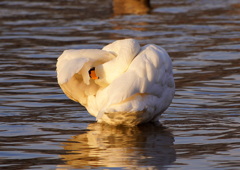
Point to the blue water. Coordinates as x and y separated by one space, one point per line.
41 128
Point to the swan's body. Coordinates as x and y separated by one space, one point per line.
135 84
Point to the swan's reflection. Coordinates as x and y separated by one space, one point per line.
146 146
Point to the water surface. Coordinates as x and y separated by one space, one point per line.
42 129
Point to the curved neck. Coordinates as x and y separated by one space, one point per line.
125 51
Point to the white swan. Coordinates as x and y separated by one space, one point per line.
122 84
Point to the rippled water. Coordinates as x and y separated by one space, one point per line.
42 129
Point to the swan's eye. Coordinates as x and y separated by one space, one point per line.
92 74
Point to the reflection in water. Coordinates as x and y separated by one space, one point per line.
131 7
103 145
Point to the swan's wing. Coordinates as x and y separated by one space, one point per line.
72 72
67 66
72 61
150 74
153 66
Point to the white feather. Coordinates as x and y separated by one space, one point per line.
135 84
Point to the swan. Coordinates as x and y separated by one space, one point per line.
121 84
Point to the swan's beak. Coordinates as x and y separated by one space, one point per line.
92 74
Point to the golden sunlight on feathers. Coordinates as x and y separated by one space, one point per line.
130 84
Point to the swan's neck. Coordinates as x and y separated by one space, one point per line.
125 51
